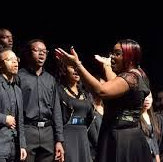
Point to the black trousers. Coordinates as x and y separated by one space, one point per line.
40 143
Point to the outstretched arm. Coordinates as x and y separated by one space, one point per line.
110 89
74 60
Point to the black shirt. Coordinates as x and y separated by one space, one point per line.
40 98
11 96
9 105
38 94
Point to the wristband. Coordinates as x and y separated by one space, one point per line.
78 64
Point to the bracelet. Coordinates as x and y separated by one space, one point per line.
78 64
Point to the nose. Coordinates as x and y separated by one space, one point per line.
42 53
15 61
10 38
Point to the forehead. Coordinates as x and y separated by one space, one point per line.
5 32
38 45
7 54
117 47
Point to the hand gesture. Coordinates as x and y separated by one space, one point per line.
67 58
106 61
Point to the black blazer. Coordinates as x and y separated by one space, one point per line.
5 132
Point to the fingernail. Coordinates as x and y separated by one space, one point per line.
72 47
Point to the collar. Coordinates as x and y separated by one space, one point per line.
5 83
32 71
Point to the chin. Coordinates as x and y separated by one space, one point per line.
76 80
41 64
14 73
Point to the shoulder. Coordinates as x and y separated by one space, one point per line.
128 75
22 70
18 89
22 73
49 77
131 78
45 73
60 88
1 81
1 78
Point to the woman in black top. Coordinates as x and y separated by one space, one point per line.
120 138
77 114
150 128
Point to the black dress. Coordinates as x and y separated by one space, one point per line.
93 133
159 116
120 138
152 141
76 116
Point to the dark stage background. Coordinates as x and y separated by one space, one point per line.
90 28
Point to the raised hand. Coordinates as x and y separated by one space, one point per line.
106 61
67 58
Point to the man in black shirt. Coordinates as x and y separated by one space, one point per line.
42 112
12 139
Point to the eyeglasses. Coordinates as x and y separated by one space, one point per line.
12 59
44 51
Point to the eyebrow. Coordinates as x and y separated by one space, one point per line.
117 50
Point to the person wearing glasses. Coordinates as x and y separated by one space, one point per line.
42 112
6 38
120 138
12 139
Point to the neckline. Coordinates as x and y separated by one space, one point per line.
73 93
80 96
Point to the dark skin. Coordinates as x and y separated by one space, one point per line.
6 38
36 61
113 88
9 68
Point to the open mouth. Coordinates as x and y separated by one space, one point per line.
75 74
15 68
41 59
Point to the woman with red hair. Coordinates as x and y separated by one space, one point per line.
120 138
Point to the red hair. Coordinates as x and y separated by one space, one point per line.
131 52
